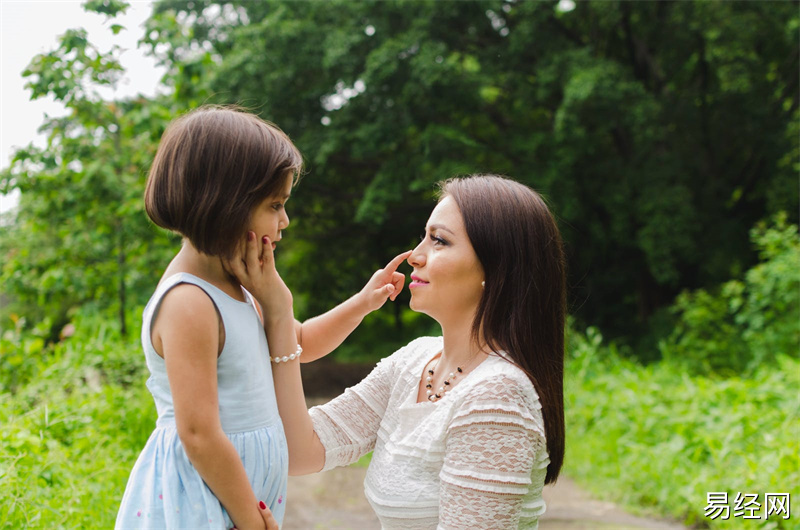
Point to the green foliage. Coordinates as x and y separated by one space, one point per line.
110 8
655 129
745 323
658 439
79 234
70 434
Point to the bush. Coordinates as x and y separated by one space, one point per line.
73 427
745 323
658 439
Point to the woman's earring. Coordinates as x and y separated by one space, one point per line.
483 284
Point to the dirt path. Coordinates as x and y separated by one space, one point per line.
335 500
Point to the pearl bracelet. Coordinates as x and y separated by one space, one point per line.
287 358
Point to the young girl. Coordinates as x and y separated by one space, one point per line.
218 456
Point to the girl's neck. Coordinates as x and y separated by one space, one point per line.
208 268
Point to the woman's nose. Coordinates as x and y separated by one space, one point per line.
285 221
417 257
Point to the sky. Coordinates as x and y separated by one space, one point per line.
31 27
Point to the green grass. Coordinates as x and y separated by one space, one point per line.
648 437
70 434
657 440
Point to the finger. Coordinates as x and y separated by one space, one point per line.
398 280
267 252
396 261
387 289
251 254
266 515
235 265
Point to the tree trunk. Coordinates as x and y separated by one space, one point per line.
121 262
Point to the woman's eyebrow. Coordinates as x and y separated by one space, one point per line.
440 227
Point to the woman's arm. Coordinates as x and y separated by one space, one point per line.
324 333
188 329
491 448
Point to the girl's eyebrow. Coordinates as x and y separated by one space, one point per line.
440 227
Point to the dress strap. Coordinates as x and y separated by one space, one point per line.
216 295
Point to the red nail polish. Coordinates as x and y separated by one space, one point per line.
264 239
262 505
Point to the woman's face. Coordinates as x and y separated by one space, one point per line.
446 282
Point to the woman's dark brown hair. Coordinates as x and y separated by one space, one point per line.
523 306
213 166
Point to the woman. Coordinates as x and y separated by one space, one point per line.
468 427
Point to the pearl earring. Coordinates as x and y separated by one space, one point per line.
483 284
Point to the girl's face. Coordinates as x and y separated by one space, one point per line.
446 282
269 217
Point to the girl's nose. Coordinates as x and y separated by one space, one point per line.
285 221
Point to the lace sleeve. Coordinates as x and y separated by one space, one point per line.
348 425
490 451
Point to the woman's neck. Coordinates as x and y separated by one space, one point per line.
460 347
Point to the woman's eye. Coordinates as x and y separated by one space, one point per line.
277 206
436 240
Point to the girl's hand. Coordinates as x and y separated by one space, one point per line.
385 283
256 272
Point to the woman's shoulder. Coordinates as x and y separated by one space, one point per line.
416 349
501 385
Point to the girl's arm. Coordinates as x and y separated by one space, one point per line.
189 335
256 272
307 454
324 333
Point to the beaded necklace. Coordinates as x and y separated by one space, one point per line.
446 385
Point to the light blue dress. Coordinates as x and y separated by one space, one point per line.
164 489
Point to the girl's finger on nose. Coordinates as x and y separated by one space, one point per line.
397 260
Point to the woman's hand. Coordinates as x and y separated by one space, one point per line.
385 283
266 515
269 521
256 272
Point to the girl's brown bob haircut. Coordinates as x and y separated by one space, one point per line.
523 305
214 165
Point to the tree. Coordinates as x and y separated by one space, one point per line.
79 234
660 132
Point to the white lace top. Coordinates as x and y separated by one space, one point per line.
474 459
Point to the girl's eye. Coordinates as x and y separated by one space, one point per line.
277 206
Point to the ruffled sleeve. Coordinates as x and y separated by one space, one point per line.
492 445
348 425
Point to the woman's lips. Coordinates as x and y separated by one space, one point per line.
417 282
